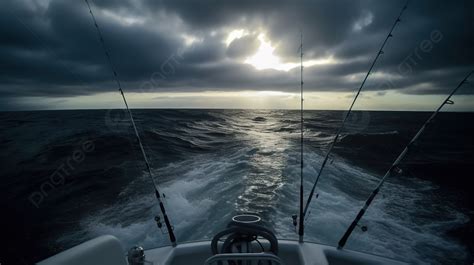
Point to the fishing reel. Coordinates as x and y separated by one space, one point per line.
243 235
160 225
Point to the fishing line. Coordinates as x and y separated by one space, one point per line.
380 52
395 164
301 220
158 195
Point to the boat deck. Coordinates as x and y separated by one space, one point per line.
106 250
290 252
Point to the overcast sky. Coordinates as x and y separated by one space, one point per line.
236 54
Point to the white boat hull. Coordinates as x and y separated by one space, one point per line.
107 250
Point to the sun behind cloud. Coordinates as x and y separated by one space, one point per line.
265 58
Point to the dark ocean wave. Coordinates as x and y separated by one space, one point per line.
259 119
391 138
212 164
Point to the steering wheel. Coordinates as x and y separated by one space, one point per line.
247 231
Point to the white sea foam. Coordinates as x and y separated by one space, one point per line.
202 193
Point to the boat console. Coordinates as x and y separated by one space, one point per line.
242 242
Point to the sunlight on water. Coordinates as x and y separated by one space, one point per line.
267 160
213 164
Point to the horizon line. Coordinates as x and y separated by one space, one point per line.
210 108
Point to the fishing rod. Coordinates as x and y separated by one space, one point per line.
395 164
380 52
168 225
301 220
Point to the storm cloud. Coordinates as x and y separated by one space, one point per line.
49 48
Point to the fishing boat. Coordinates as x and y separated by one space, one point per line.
246 239
246 243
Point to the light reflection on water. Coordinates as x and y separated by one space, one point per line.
214 164
266 163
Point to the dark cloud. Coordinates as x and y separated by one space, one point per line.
50 48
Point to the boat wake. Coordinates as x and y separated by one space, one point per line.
212 165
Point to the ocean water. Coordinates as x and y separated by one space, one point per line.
69 176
